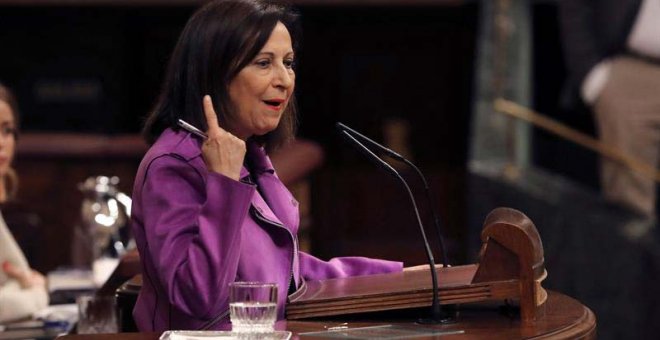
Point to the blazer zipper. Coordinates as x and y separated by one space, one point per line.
262 218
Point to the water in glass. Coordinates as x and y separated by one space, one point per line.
253 316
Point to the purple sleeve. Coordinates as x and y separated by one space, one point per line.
312 268
192 230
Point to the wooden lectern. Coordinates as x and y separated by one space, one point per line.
510 268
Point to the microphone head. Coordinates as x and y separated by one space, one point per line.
352 133
340 127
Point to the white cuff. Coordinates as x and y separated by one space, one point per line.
595 81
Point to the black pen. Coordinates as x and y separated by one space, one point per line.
188 127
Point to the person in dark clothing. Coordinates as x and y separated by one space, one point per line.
612 50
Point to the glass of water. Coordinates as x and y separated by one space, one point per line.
252 307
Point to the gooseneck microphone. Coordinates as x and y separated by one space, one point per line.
436 312
391 153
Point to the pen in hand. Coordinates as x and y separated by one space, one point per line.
190 128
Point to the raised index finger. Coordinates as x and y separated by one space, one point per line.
211 117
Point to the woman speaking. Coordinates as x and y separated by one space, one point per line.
210 210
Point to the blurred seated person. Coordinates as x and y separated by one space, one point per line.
612 52
210 211
22 290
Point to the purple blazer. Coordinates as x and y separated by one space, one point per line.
197 231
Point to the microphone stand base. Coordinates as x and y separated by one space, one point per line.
439 321
443 315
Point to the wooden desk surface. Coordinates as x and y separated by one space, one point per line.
565 318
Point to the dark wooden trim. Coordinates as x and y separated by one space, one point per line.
78 145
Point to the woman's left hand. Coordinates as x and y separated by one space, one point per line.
26 278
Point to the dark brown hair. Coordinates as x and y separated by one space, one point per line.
11 179
217 42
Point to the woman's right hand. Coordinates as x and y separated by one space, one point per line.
223 152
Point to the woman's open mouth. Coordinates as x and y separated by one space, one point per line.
274 104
